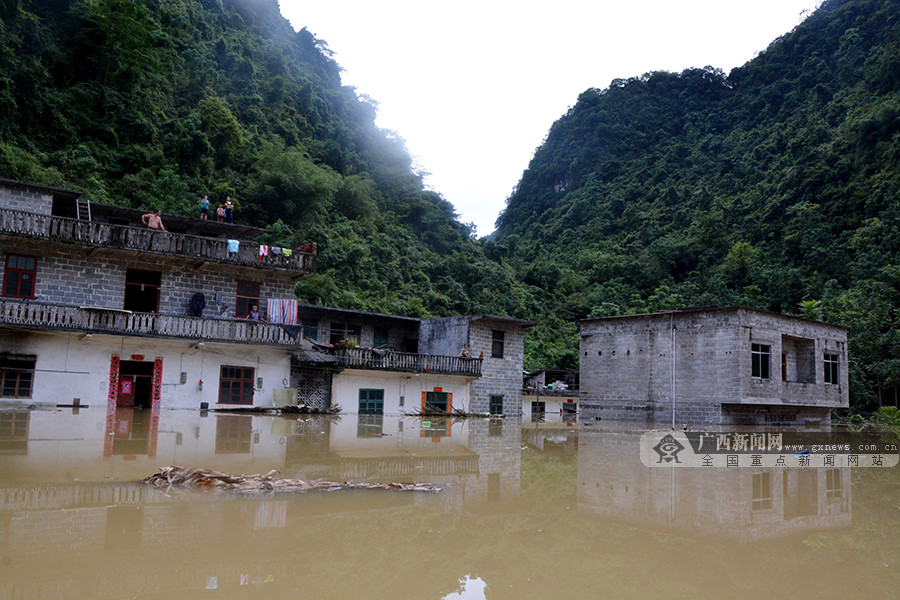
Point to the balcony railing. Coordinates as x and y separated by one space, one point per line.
390 360
90 233
40 315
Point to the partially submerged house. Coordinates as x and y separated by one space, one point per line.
550 395
725 366
383 364
98 308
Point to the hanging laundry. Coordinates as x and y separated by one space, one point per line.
276 250
263 250
233 246
282 311
272 311
287 251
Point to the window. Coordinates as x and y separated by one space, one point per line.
380 339
831 369
436 401
343 331
371 402
16 377
310 329
762 491
833 486
760 354
19 276
247 296
538 409
236 385
142 290
496 405
497 344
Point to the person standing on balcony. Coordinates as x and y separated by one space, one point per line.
204 206
220 213
153 220
254 315
229 210
465 352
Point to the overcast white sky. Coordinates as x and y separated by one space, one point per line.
474 86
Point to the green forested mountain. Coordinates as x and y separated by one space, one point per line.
152 103
776 186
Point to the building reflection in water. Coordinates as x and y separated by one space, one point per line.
743 503
60 499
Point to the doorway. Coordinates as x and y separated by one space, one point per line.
135 384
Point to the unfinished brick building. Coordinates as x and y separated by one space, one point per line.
721 366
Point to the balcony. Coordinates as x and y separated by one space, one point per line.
38 315
142 239
389 360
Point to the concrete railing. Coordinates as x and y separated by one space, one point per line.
390 360
40 315
90 233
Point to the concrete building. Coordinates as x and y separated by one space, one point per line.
723 366
97 308
382 364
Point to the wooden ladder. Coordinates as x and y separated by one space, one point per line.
83 210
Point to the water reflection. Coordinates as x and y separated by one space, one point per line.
743 503
517 497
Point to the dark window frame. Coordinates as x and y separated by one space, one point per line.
495 406
830 363
236 377
761 361
139 277
19 272
17 377
371 401
498 341
244 300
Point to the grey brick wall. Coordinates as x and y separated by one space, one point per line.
24 199
499 376
74 276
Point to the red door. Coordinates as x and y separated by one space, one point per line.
125 398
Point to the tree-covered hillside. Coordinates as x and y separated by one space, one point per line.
152 103
776 186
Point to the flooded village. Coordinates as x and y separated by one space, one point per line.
124 349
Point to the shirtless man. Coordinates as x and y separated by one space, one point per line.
153 221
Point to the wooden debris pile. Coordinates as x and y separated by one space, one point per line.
174 477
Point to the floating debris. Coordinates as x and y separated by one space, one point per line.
174 477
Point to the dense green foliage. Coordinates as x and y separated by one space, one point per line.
774 187
152 103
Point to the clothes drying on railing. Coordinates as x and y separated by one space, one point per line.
263 250
282 311
233 246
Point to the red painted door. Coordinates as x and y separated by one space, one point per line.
125 398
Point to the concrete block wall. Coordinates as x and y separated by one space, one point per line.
499 376
26 199
70 276
627 367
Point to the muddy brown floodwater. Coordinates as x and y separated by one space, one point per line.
527 510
